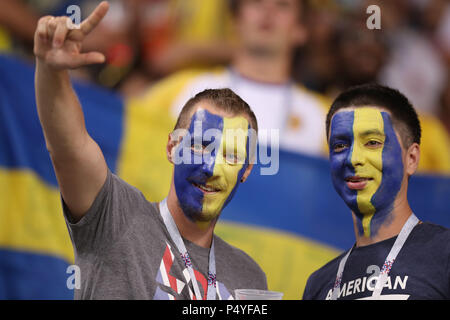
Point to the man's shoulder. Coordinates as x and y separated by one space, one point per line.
436 227
433 233
128 195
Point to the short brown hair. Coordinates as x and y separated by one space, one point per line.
223 99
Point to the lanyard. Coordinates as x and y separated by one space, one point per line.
176 238
382 278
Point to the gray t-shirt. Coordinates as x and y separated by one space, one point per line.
124 251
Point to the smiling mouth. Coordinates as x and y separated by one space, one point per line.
206 189
357 183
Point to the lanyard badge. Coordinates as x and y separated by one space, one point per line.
179 243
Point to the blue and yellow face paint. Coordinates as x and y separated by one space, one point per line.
217 156
366 164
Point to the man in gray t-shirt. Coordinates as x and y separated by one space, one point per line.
126 247
125 252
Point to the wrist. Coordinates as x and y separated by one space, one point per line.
46 70
44 66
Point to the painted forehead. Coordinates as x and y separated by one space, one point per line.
209 120
370 120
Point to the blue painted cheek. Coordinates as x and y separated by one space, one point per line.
341 131
340 169
189 197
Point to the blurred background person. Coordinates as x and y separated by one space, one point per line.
361 54
415 65
434 19
267 33
176 34
315 63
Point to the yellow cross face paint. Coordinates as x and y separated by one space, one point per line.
230 160
205 187
368 126
366 164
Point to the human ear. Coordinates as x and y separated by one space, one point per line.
247 173
170 148
412 159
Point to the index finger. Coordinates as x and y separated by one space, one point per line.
94 18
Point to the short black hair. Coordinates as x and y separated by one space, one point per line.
404 117
223 99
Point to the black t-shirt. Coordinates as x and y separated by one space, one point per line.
420 271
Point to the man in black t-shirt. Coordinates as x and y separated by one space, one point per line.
374 136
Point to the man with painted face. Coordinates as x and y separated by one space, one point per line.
374 135
125 246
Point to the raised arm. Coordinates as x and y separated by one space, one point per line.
77 159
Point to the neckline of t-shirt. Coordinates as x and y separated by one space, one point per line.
190 246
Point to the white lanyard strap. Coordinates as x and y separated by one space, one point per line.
337 282
179 243
398 245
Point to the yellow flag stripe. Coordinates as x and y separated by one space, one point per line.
31 216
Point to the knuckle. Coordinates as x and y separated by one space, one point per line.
44 19
40 31
61 20
61 24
